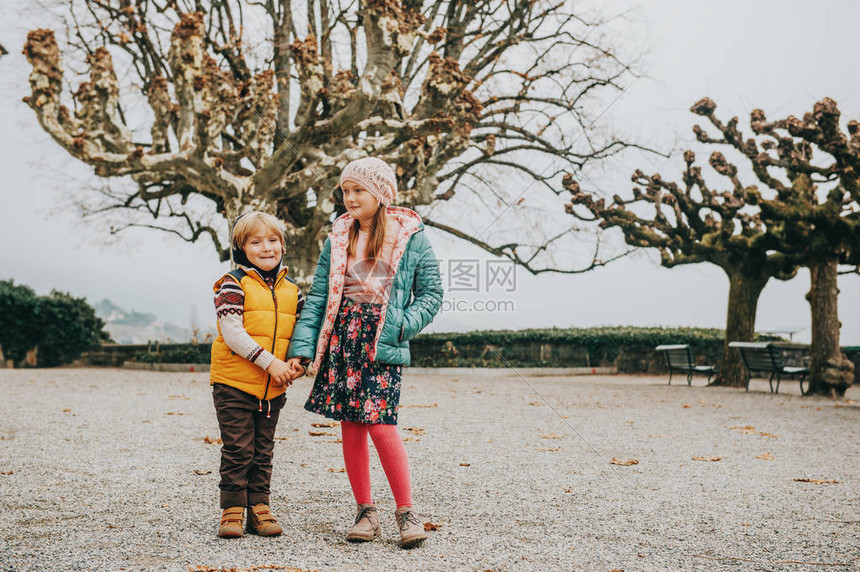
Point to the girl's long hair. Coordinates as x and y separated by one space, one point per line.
377 235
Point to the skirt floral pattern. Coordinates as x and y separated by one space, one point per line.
348 386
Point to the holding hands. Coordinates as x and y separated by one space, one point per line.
283 373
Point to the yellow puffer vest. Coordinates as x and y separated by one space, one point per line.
269 318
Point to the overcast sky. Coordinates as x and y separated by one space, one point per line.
780 56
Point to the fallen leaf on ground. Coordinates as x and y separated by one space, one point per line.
421 405
624 463
329 424
535 403
568 490
465 464
66 410
7 473
411 439
428 526
201 471
685 406
818 481
708 459
177 397
174 413
281 438
416 430
336 470
338 440
551 436
212 441
765 457
202 568
322 434
547 448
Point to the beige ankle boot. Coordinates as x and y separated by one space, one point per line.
411 529
366 526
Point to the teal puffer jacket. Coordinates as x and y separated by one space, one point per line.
415 297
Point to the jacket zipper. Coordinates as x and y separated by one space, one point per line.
274 334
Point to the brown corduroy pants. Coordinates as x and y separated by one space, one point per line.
248 437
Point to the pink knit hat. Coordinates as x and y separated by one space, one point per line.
373 175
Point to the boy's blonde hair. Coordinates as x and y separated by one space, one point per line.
246 224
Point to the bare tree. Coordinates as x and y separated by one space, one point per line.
456 94
804 216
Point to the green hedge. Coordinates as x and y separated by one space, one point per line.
628 348
176 353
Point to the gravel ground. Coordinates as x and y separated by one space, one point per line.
100 471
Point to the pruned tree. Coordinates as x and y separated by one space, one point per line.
690 223
259 105
753 234
815 215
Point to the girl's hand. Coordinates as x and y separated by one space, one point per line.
296 368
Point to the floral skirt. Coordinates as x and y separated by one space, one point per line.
348 386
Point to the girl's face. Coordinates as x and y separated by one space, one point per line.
359 203
263 248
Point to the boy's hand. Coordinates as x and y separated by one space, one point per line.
280 372
296 368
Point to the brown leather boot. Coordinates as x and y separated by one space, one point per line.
231 522
411 529
366 526
261 521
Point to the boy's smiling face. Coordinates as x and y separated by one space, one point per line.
263 248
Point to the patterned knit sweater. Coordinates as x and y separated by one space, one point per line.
230 310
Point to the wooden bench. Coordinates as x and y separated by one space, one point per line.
765 358
679 357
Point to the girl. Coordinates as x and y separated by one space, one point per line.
376 286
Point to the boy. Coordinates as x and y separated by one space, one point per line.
257 306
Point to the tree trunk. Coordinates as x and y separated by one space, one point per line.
831 373
744 292
301 260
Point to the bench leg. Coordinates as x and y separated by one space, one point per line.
770 381
749 375
670 377
808 385
689 378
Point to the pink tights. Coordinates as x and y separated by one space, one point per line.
392 455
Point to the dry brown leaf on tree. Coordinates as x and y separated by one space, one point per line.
708 459
819 481
624 462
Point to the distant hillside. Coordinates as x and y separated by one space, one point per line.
131 327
